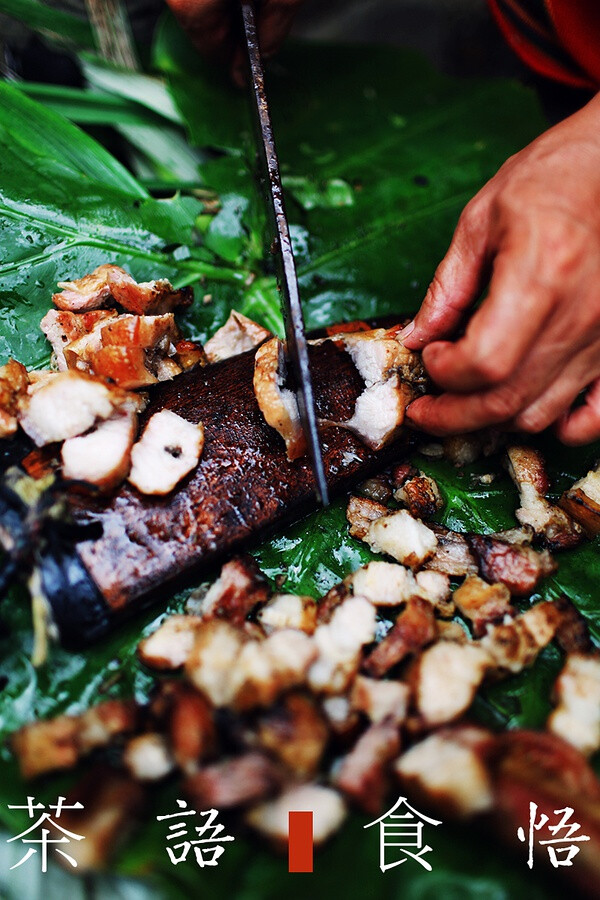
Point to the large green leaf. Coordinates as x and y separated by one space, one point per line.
379 155
62 27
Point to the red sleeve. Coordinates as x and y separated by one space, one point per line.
556 38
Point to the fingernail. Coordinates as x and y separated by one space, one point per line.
408 329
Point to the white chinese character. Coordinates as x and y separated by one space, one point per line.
403 831
207 846
558 855
45 840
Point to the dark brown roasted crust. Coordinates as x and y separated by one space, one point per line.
415 627
243 483
583 509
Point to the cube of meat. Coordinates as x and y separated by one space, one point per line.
339 644
236 782
453 555
209 666
363 775
383 583
62 328
446 679
448 769
360 513
170 447
148 757
414 628
379 412
527 469
66 406
239 588
271 819
276 402
170 645
265 669
515 644
406 539
289 611
482 603
238 334
577 714
101 457
421 496
517 566
380 700
112 283
296 733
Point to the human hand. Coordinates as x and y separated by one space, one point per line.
214 27
533 234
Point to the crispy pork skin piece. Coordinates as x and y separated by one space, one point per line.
364 773
167 451
236 782
62 328
452 555
339 645
276 402
515 644
112 282
360 512
296 733
380 700
383 583
238 589
238 334
414 628
148 757
577 692
90 292
421 496
66 406
526 467
133 351
582 502
448 770
445 680
189 354
408 540
271 818
112 802
14 382
170 645
482 603
102 456
289 611
519 567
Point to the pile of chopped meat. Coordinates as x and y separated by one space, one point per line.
266 702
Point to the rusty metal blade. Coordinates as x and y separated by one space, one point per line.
297 350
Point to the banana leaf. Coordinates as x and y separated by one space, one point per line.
380 153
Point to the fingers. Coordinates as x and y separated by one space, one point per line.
556 400
457 413
458 280
582 425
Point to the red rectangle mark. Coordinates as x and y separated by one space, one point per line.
300 842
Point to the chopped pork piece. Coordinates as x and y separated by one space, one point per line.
573 633
519 567
234 782
45 746
452 631
448 770
330 602
363 775
339 644
341 718
191 728
446 678
111 282
289 611
515 644
360 513
406 539
62 328
577 692
189 354
379 353
148 757
13 386
526 467
421 496
452 555
209 666
133 351
582 502
65 406
167 451
271 819
377 488
276 402
383 583
265 669
379 412
237 335
296 733
90 292
482 603
170 645
380 700
238 589
112 802
435 587
102 456
415 627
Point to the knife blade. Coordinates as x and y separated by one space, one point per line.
297 350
